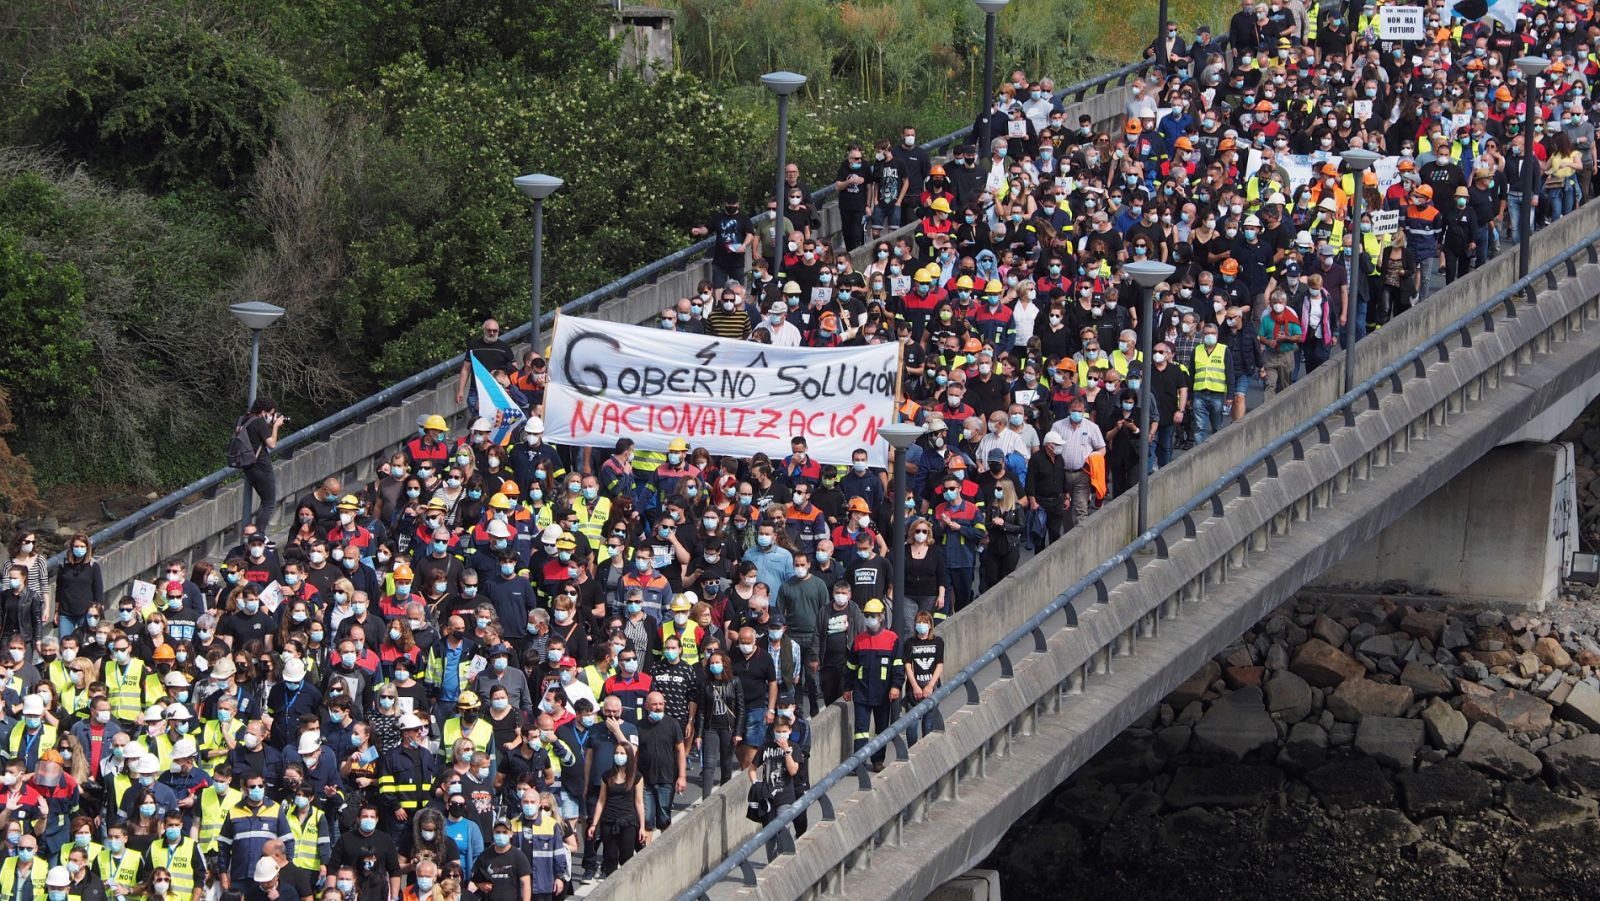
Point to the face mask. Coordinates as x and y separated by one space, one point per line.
257 794
620 758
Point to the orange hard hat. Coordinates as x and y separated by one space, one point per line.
1184 143
1424 191
1502 94
972 346
1329 169
1227 144
1230 267
402 573
1407 166
165 652
1369 178
509 488
937 171
1133 127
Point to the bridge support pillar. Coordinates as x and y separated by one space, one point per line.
973 885
1501 533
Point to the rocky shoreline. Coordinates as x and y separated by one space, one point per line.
1375 749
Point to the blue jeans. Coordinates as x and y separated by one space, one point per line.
66 624
658 805
1514 217
931 722
1485 240
1163 448
1555 202
1209 414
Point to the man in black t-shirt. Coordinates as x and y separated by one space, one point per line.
261 427
854 183
662 753
732 236
502 873
489 350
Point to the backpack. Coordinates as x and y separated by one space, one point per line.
241 453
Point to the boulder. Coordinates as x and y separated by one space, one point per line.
1582 706
1305 749
1382 827
1228 785
1392 741
1427 624
1508 710
1289 697
1324 665
1384 646
1445 726
1450 788
1240 676
1551 653
1423 681
1575 763
1361 697
1195 687
1540 808
1236 724
1329 630
1356 782
1488 749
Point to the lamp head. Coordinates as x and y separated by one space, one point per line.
783 83
1532 65
537 186
1149 273
901 435
1360 160
255 315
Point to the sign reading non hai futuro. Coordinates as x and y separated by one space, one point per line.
610 381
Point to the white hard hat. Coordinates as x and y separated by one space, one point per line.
534 425
58 877
179 712
293 670
184 748
33 705
412 721
482 425
498 529
309 742
147 765
266 870
550 534
153 713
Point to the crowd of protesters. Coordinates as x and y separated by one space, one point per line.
494 669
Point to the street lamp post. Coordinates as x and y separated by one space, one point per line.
1530 66
783 84
256 316
1161 36
900 435
991 9
1147 274
537 187
1358 161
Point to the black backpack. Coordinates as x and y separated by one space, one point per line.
241 453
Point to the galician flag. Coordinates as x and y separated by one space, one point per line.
496 406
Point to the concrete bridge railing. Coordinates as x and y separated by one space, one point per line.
1305 451
200 520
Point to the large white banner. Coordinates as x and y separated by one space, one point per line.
610 381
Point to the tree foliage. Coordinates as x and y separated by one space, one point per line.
41 303
163 105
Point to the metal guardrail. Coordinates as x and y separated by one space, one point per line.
172 504
1237 478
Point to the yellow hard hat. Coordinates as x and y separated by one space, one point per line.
349 502
435 422
468 701
681 604
994 287
939 205
678 445
964 281
872 606
923 278
500 502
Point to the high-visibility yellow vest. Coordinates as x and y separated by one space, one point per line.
161 746
75 701
124 872
686 639
1211 368
8 877
94 849
214 809
591 520
179 861
60 677
481 736
125 690
44 741
306 851
214 737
